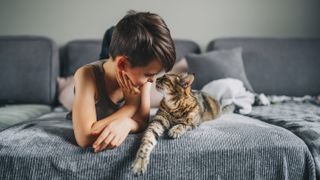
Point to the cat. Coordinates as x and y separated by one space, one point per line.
180 110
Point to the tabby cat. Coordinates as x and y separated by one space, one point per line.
180 110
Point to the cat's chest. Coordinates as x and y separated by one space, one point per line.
183 117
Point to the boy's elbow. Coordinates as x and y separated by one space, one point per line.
84 141
83 144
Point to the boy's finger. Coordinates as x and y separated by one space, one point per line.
120 141
133 89
102 136
136 90
126 81
114 143
106 142
119 78
97 131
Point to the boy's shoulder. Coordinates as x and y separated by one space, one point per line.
85 72
87 69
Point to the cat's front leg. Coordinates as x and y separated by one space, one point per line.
178 130
141 161
149 140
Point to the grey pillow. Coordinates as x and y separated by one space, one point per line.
217 64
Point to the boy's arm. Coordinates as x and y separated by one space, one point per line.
125 111
84 115
141 117
139 114
131 106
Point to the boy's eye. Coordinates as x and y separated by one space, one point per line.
149 75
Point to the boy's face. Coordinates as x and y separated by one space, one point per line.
140 75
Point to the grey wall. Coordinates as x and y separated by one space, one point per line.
198 20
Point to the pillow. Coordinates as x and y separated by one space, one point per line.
217 64
65 91
156 96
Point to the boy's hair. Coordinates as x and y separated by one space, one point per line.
142 37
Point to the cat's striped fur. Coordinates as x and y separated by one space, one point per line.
181 109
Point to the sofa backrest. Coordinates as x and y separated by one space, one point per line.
278 66
28 71
80 52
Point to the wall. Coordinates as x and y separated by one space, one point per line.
198 20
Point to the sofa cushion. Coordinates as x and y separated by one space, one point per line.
217 65
79 53
278 66
28 71
13 114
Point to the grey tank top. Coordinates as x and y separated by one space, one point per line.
104 105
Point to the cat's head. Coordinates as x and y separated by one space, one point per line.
175 84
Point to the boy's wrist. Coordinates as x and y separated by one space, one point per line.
133 125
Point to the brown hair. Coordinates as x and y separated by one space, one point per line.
142 37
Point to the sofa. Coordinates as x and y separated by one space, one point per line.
278 141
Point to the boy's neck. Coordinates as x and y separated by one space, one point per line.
110 74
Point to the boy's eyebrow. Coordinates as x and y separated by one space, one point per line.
150 74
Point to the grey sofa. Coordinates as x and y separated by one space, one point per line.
37 141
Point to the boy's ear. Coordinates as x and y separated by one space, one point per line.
122 62
187 80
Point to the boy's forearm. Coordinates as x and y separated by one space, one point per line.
137 126
141 117
140 122
123 112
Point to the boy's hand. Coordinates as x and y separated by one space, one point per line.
131 94
112 135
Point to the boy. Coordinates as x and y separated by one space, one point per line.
112 96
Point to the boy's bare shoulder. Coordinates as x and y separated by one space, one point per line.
84 79
84 73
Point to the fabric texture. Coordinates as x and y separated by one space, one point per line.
229 91
231 147
28 71
301 118
14 114
79 53
278 66
217 65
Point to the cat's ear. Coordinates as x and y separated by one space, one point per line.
187 80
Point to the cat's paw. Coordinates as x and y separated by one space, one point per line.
176 131
139 166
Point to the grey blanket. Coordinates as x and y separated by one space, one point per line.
231 147
301 118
